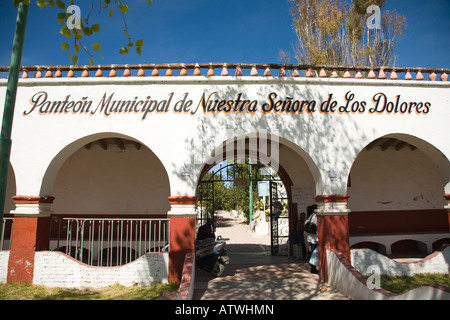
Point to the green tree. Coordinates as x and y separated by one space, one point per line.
228 196
335 32
79 31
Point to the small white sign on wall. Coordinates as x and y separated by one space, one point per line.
302 194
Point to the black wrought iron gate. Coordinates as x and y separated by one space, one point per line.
279 221
278 203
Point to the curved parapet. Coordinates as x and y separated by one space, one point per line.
349 281
56 269
437 262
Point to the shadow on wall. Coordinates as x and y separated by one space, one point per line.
328 140
413 174
437 262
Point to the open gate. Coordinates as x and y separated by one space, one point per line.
278 199
279 220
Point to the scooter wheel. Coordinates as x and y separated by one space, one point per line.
218 269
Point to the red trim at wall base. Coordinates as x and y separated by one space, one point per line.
183 200
182 241
33 199
30 234
399 221
333 234
328 198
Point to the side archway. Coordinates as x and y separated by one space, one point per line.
107 174
396 186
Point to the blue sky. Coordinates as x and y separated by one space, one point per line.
246 31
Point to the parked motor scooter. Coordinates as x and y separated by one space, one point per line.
211 255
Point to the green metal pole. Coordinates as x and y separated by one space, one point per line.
10 100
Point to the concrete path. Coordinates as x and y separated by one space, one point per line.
254 274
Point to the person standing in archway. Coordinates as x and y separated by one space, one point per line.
310 234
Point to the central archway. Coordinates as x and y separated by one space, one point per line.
251 191
296 170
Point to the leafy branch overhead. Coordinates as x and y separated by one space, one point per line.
77 26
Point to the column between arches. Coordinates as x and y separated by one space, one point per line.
30 233
332 228
182 216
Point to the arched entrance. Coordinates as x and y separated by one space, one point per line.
396 188
292 180
253 191
111 201
112 176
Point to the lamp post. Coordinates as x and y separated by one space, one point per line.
10 100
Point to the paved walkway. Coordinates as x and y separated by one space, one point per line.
254 274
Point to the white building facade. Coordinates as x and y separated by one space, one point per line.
372 153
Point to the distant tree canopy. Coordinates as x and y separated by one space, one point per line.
78 29
227 196
345 33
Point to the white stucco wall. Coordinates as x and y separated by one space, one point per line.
55 269
4 258
347 280
395 180
332 140
362 259
112 181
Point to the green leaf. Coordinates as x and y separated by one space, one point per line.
77 48
87 31
61 17
130 44
124 50
74 60
17 2
95 28
41 3
65 46
138 50
51 3
77 33
65 32
60 4
111 12
139 43
123 8
107 2
96 46
91 61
